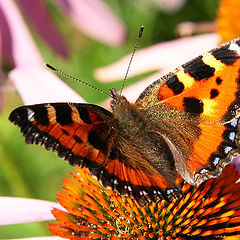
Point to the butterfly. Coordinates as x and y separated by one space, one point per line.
185 123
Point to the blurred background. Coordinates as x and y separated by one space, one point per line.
80 37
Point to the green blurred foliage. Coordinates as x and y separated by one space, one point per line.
31 171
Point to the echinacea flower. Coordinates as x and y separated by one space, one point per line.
209 211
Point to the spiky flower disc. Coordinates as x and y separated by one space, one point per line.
209 211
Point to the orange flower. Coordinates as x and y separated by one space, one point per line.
228 25
209 211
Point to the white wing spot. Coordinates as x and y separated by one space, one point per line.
234 123
204 171
30 114
216 161
233 46
232 136
144 193
227 149
169 191
36 135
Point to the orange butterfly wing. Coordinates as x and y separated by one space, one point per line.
205 93
84 135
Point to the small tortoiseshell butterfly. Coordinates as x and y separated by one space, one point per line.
184 123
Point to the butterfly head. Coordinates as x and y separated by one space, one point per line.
117 99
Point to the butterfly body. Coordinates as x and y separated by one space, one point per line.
140 142
185 123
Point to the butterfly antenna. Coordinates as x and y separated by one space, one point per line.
76 79
133 53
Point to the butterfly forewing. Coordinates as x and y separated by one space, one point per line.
85 136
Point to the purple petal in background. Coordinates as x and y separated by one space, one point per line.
6 39
22 210
95 19
39 17
34 83
1 75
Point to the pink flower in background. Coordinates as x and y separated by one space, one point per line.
20 210
39 17
24 210
95 19
34 82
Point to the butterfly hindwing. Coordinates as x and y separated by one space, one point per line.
205 93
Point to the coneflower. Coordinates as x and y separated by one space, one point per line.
209 211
